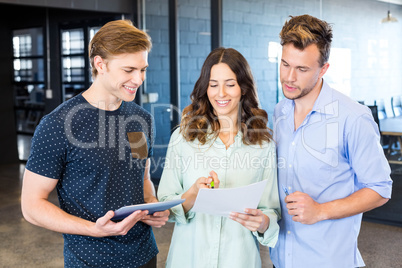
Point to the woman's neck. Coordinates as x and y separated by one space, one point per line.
228 130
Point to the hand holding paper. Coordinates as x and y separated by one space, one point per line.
201 183
254 220
223 201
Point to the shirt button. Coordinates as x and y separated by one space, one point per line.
290 165
293 143
289 232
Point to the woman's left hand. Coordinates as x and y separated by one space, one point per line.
254 220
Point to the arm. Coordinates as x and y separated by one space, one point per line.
38 210
366 158
158 219
149 188
172 183
307 211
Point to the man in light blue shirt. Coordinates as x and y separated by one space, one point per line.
330 160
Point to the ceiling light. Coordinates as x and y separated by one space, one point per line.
389 18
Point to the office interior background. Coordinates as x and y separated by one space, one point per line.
43 52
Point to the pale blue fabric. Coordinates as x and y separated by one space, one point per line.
202 240
335 152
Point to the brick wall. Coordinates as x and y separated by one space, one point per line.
374 48
371 69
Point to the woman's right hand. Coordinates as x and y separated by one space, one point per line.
204 182
200 183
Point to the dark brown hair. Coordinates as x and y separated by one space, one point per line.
199 115
117 37
304 30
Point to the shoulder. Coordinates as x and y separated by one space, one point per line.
176 137
347 106
351 115
61 112
265 145
178 140
133 108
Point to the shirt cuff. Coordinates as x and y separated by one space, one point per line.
177 213
270 236
383 189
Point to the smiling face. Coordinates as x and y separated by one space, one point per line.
224 92
122 75
300 71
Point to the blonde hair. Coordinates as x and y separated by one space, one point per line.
117 37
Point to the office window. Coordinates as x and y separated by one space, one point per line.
22 45
76 71
73 41
73 62
29 78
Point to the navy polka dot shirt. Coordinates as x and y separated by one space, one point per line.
87 150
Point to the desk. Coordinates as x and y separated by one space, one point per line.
392 126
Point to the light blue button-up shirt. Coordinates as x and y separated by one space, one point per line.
335 152
205 241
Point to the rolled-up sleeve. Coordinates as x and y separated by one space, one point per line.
366 156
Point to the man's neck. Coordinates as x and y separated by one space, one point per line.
101 101
304 105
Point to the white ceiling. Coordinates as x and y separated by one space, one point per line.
397 2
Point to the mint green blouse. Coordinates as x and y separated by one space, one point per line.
203 240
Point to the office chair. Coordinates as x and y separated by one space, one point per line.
396 106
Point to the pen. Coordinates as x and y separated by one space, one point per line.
285 190
212 184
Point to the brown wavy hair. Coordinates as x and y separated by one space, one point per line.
199 116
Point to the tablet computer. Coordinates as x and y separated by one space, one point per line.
123 212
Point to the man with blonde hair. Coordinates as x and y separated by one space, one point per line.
95 150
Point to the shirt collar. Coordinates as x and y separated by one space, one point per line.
324 104
238 140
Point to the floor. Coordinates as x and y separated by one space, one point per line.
25 245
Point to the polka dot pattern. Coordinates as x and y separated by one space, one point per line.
87 150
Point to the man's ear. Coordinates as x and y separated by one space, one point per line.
324 69
99 64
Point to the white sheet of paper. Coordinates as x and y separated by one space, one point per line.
223 201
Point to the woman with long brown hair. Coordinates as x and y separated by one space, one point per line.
223 138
